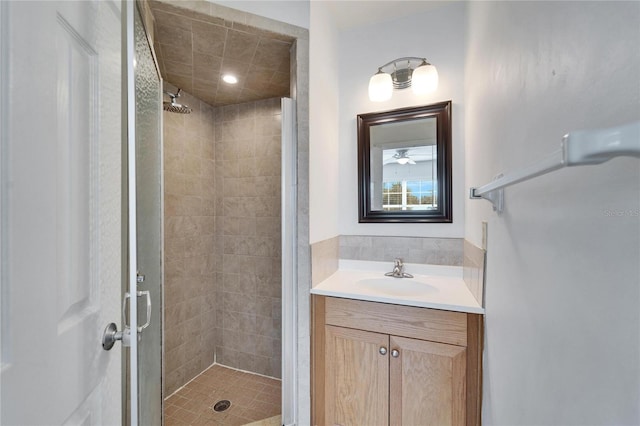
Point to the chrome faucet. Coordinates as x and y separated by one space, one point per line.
398 270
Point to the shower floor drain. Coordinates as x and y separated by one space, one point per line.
221 405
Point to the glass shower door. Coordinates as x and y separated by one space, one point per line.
148 153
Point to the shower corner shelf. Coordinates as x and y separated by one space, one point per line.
578 148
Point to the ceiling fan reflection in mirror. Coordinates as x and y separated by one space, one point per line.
402 157
409 155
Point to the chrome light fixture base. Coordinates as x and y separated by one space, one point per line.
401 73
401 78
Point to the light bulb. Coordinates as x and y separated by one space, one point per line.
380 87
424 79
230 79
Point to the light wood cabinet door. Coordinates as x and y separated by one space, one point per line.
426 383
435 378
357 377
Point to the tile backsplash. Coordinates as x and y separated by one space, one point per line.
474 265
324 259
433 251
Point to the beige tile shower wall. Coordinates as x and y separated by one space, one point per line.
248 243
190 280
433 251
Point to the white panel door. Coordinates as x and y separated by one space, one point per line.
60 175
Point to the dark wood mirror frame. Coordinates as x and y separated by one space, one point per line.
443 214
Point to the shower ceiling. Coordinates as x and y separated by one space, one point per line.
194 50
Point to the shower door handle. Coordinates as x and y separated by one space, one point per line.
111 334
139 293
140 279
148 301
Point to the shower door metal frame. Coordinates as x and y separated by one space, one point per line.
289 188
131 273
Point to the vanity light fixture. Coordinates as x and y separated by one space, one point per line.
402 73
230 79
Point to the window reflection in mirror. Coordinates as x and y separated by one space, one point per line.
405 165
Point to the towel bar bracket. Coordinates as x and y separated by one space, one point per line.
495 197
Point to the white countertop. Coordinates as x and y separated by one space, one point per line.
433 286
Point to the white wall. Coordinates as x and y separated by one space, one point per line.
563 282
438 35
324 184
294 12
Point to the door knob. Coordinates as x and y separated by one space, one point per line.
111 335
395 353
382 350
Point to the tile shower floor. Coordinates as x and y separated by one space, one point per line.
252 397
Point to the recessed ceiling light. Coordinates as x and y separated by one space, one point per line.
228 78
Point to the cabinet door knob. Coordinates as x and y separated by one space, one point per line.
395 353
383 350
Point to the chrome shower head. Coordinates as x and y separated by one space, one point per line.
173 106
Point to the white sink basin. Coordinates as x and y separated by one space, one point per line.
433 286
397 286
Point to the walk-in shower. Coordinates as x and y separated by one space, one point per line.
228 183
223 261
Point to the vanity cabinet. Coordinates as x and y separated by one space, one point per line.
382 364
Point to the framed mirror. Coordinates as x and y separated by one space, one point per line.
404 165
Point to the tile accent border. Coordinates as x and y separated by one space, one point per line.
473 273
324 259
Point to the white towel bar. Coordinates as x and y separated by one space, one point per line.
576 149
